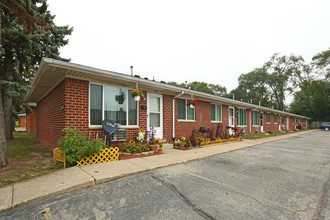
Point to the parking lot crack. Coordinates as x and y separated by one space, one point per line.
184 198
323 200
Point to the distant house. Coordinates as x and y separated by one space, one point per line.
21 119
68 93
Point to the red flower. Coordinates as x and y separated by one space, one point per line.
193 102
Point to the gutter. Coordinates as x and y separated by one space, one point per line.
182 92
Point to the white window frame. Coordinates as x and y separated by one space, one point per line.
275 122
216 119
268 113
100 126
186 120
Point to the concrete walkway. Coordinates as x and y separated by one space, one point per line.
75 178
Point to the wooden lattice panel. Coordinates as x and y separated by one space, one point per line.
105 155
58 157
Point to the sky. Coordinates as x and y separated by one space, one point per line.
187 40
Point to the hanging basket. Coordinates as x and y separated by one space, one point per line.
137 98
192 103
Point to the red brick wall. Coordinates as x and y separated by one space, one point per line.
74 95
50 117
22 121
271 126
202 119
168 117
31 121
248 131
76 103
77 112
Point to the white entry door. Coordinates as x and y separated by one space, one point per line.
231 119
280 123
262 122
155 114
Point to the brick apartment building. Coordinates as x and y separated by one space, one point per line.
70 94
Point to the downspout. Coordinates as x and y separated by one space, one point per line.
182 92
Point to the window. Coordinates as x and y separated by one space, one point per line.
241 117
184 111
283 120
216 111
255 116
116 104
95 104
275 119
268 118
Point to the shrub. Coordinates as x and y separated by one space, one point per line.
195 138
218 131
160 143
75 145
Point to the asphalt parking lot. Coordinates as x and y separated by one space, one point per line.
285 179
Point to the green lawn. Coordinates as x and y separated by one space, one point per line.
265 135
27 158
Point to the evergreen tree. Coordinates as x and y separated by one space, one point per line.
28 33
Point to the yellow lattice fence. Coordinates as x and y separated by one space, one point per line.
58 157
105 155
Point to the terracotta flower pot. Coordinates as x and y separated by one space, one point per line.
160 150
154 147
181 145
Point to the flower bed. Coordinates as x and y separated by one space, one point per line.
202 142
130 156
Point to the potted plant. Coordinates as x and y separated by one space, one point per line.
152 143
120 98
141 136
137 95
160 145
182 142
192 103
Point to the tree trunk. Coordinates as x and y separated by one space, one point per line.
3 147
7 97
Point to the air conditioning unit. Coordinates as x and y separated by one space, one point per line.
119 135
